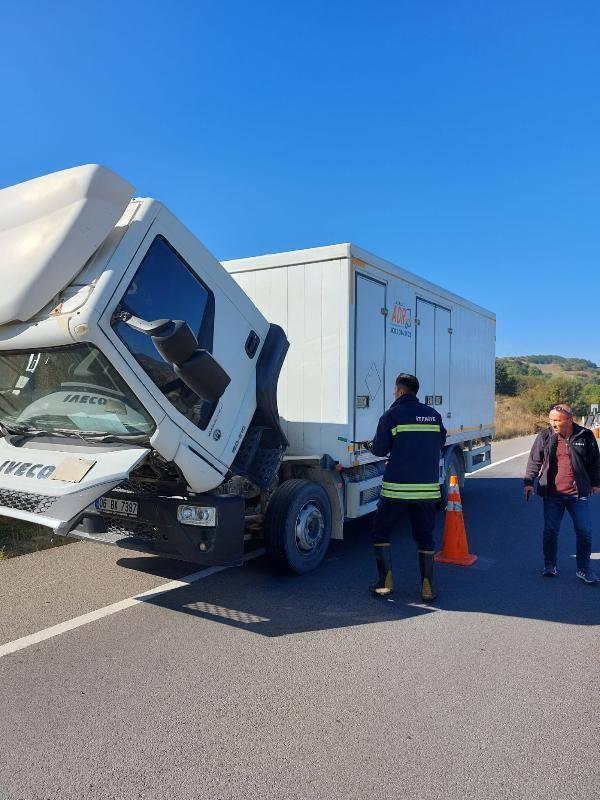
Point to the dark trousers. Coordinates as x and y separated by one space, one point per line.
579 509
390 512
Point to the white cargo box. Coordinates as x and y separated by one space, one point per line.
354 321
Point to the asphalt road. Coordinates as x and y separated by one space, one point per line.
252 685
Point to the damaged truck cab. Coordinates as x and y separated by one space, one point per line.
137 380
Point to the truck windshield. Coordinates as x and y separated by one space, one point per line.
71 389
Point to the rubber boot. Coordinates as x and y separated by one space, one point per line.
385 583
428 593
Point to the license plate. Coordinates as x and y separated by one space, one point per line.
114 505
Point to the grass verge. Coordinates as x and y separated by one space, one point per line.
18 538
513 418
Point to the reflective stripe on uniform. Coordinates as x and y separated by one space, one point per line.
416 427
410 486
410 495
410 491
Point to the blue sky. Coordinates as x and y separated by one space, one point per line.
459 139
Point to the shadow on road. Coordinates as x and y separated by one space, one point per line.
503 531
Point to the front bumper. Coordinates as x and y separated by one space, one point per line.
157 530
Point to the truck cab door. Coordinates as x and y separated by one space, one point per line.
174 277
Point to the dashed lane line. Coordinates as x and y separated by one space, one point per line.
113 608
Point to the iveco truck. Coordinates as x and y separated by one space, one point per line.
140 378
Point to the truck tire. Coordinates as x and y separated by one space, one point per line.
454 466
297 526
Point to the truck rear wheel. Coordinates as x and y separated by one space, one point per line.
454 466
298 526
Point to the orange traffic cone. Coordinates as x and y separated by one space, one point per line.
455 549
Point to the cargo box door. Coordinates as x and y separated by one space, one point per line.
369 344
442 361
425 350
432 363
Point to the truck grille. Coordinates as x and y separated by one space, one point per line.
26 501
146 488
122 527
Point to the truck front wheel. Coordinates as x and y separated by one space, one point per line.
298 526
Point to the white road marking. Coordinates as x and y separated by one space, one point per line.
496 463
113 608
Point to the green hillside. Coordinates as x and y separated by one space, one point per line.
527 386
566 364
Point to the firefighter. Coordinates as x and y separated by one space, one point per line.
412 435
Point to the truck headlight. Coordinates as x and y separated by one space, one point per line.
197 515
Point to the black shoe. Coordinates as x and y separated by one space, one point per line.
550 572
385 583
587 576
428 593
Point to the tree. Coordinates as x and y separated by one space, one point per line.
542 397
506 382
591 393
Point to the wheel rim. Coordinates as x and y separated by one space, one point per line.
310 528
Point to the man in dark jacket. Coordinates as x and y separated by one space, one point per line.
565 461
412 434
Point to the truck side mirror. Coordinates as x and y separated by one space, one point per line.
176 343
204 375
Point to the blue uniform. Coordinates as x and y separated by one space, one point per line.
412 434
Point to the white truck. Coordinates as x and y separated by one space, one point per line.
140 378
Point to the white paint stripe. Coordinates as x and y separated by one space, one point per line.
496 463
113 608
427 607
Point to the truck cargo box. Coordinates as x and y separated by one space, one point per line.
354 321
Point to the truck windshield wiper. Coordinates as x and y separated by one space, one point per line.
92 436
110 438
10 430
100 436
24 430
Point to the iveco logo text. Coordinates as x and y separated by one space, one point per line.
24 469
85 398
